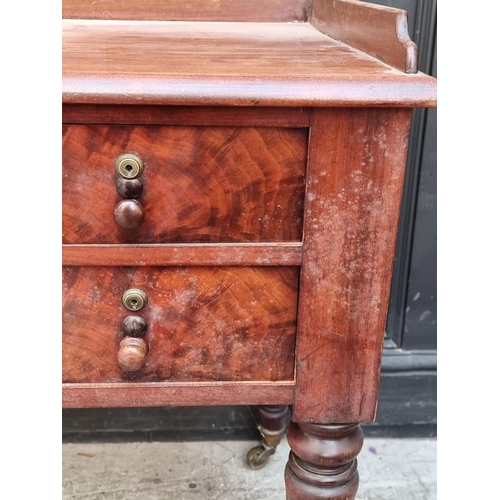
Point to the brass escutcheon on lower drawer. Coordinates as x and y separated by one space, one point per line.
134 299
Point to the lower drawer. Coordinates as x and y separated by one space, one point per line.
203 323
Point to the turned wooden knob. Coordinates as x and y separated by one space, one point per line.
129 214
129 188
134 326
132 354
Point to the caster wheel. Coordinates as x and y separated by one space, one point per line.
258 456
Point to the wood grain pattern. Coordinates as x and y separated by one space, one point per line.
185 115
355 176
132 354
273 420
222 324
204 184
176 394
198 254
187 10
322 462
377 30
129 214
214 64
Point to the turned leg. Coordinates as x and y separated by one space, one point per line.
322 464
273 422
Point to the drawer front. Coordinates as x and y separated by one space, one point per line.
203 323
200 184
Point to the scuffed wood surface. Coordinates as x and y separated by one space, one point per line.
199 254
355 176
201 184
188 10
154 394
377 30
222 324
185 115
243 64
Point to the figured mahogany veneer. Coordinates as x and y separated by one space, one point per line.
201 184
204 323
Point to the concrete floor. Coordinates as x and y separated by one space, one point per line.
390 469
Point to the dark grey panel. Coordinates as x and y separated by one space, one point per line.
154 424
407 398
415 260
420 327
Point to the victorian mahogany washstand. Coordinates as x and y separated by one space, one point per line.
232 173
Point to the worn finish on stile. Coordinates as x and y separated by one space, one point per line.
230 208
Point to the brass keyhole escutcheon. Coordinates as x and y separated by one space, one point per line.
134 299
129 166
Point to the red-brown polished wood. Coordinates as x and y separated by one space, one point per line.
134 326
194 254
188 10
224 324
219 113
129 188
197 116
322 462
355 178
375 29
126 394
273 419
129 214
243 64
219 184
132 354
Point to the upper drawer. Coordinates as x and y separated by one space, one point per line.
200 184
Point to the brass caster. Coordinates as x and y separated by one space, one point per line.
258 456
